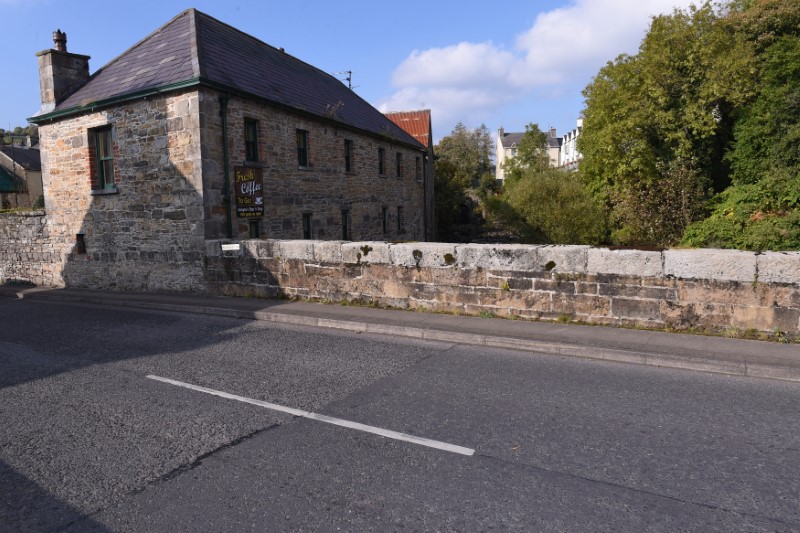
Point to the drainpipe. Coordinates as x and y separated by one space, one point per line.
425 178
223 111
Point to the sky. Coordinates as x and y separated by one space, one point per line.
502 64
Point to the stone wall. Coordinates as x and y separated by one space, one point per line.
678 289
323 189
26 255
145 233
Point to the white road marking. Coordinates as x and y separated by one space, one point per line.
323 418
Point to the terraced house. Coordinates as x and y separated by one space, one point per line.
198 132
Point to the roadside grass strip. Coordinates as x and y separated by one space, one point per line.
444 446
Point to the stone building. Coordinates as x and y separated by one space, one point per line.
561 151
200 131
20 175
418 124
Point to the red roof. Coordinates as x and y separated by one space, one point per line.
415 123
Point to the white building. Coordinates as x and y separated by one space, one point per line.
562 151
570 156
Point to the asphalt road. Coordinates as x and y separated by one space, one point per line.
89 442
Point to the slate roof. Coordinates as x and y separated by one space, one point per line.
510 139
8 182
195 48
27 158
415 123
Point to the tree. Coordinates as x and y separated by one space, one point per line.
761 210
463 160
659 123
543 204
6 137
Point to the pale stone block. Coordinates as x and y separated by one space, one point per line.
563 258
424 254
296 249
375 252
328 251
497 256
624 262
779 267
716 265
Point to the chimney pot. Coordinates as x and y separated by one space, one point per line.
60 40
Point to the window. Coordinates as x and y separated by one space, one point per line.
254 227
399 164
302 148
381 161
80 244
401 220
307 225
250 140
104 152
348 155
418 168
385 219
345 225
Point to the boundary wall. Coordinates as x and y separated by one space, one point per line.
678 289
26 251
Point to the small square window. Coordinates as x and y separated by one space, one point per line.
250 140
348 155
399 164
381 161
302 148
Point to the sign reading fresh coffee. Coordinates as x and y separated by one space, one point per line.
249 186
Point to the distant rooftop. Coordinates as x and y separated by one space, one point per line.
27 158
415 123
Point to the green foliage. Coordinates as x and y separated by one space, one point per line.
469 151
463 161
656 124
553 206
13 135
531 155
761 210
541 204
753 216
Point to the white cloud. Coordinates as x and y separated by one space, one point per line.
559 53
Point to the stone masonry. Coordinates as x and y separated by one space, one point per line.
323 189
147 233
26 253
678 289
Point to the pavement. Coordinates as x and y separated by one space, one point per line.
655 348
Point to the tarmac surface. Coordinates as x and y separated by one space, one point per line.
661 349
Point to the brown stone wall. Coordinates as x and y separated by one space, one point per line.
323 188
679 289
146 235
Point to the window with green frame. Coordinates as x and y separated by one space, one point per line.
104 150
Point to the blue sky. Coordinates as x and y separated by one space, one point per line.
500 64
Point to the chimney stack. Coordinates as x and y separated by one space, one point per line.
60 73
